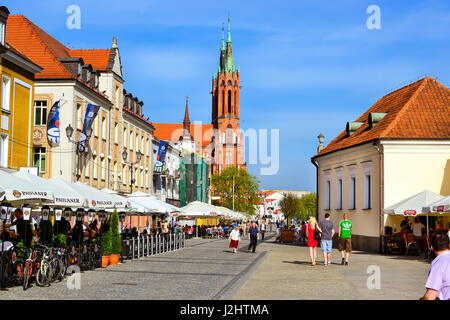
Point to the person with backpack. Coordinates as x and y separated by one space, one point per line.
312 234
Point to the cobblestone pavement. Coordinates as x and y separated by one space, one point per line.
205 269
287 274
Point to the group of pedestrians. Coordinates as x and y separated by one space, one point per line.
324 232
253 233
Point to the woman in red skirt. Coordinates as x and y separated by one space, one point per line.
312 243
234 238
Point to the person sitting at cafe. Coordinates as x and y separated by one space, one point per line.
405 224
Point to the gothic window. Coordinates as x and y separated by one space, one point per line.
235 103
229 134
223 102
229 101
229 158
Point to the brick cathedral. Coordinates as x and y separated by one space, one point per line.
221 141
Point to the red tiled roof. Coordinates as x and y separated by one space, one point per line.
173 131
98 58
41 48
419 110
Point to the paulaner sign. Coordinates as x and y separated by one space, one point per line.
16 194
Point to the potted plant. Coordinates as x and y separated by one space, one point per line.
106 245
116 240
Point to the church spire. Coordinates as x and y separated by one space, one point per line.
186 121
229 64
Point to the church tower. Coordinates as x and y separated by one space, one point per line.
225 109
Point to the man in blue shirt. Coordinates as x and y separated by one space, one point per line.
253 236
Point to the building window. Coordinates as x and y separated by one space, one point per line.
124 174
79 119
367 191
328 195
229 158
131 140
103 165
104 129
125 138
339 194
4 152
2 32
95 174
117 95
137 141
40 113
95 126
6 89
116 133
39 159
352 193
229 101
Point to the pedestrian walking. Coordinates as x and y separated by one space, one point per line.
438 282
234 238
262 230
312 241
345 239
326 242
303 233
253 235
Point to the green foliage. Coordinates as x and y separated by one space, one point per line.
246 187
46 232
61 239
308 206
107 242
116 240
290 206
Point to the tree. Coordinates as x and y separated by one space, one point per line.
308 206
290 206
116 241
246 187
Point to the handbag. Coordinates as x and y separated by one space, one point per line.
317 235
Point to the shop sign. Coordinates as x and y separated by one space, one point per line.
58 214
26 214
409 212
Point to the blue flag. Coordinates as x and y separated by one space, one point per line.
53 132
159 163
91 113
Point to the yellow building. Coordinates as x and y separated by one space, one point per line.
17 96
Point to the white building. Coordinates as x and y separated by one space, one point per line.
397 148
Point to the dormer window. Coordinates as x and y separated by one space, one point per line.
375 117
2 32
352 127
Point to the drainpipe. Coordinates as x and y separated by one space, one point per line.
314 162
376 145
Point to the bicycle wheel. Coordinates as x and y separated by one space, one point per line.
26 275
44 274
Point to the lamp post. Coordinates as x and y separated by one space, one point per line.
131 164
80 147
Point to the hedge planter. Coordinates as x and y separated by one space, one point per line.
114 259
105 261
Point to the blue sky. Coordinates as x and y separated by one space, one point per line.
306 66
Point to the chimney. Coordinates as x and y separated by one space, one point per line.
321 138
114 44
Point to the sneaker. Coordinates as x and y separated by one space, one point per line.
248 251
346 263
343 261
325 264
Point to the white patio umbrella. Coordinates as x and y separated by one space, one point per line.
440 206
227 213
199 209
153 204
63 195
96 199
18 190
414 205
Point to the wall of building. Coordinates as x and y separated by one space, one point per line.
344 164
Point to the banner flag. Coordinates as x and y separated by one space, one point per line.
159 163
91 113
53 132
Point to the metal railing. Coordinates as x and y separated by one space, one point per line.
144 246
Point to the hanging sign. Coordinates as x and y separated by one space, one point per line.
122 217
409 212
45 213
80 214
91 215
58 214
3 212
26 213
67 214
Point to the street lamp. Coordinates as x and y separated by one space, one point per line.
131 164
80 147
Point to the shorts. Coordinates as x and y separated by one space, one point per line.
326 245
345 244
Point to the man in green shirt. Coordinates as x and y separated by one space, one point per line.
345 239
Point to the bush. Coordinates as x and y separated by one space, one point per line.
107 241
61 239
116 240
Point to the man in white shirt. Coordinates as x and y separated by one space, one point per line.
417 228
262 230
